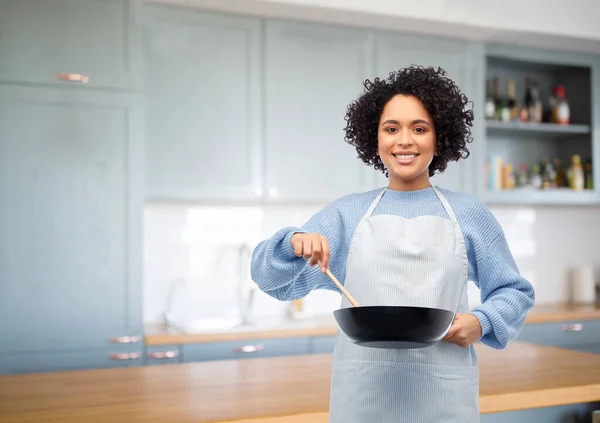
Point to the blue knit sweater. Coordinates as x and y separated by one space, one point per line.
506 296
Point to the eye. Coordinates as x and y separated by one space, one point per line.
391 130
421 130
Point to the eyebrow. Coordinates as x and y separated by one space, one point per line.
414 122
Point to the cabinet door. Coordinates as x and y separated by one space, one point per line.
575 335
240 350
52 361
322 344
312 73
70 221
393 52
203 107
96 38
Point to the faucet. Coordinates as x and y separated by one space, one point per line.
166 316
246 289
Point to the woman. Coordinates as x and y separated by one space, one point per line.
407 244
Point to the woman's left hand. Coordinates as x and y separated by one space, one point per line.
465 330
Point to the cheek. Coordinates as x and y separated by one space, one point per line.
384 142
429 146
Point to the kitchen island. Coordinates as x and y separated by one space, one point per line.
272 390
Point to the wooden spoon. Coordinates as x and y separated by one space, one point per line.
341 287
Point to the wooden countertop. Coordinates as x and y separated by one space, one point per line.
325 326
519 377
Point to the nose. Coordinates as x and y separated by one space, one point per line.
404 138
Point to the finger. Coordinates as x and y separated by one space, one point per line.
316 251
451 333
298 249
325 254
307 248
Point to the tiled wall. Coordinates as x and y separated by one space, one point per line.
201 246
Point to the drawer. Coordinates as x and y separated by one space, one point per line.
238 350
568 334
322 344
163 354
59 361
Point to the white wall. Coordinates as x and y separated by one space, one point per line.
188 242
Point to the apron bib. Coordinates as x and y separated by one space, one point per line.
411 262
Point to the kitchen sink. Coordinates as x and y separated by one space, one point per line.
259 323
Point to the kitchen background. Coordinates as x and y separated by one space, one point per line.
146 147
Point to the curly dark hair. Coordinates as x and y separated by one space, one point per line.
441 98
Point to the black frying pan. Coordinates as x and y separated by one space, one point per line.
391 327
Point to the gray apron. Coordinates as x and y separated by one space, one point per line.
419 261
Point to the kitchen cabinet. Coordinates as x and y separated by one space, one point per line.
236 350
322 344
265 114
517 144
50 361
94 39
571 413
203 105
312 73
70 228
575 335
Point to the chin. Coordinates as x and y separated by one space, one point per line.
406 173
406 177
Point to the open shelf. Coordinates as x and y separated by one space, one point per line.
515 142
543 127
531 196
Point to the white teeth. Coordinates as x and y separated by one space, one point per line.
405 156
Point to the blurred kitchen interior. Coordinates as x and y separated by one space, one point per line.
146 147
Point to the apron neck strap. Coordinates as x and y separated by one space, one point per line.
446 204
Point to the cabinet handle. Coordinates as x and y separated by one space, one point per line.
249 348
577 327
124 356
163 354
75 77
126 340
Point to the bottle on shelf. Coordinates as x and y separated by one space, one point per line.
588 175
561 179
562 112
535 105
522 179
525 114
575 174
502 112
549 114
513 105
490 103
548 175
536 176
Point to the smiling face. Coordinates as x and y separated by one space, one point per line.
406 143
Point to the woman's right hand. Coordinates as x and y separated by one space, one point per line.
313 247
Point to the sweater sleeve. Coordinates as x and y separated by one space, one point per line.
506 296
281 274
